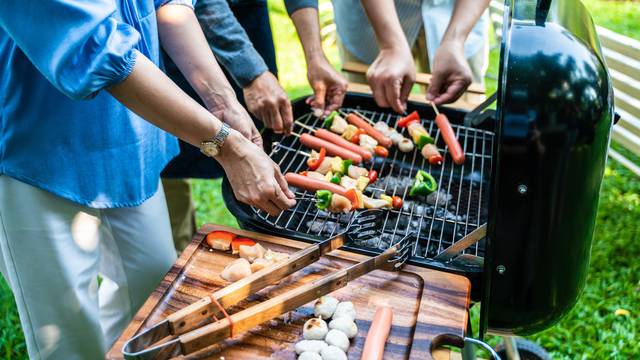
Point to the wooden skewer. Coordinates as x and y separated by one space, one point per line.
305 126
435 108
364 117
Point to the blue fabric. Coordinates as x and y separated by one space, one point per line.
253 18
53 54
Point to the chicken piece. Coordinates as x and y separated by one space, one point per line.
315 175
252 253
259 264
325 166
275 256
236 270
339 124
368 142
348 183
357 171
382 127
370 203
405 145
339 204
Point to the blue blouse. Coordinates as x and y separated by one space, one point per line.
58 130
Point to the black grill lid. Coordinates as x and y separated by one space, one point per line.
555 109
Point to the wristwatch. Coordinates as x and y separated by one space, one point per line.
213 146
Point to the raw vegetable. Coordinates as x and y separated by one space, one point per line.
235 244
323 199
220 240
411 118
344 324
340 166
310 345
355 198
347 309
314 163
362 182
424 184
333 353
328 121
337 338
308 355
355 138
419 135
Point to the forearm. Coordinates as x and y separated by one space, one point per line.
465 15
148 92
386 25
308 27
182 38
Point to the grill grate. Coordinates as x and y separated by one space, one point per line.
459 207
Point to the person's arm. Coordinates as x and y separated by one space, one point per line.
231 45
183 40
451 72
393 73
328 86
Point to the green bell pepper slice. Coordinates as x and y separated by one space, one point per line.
328 121
336 178
345 166
323 199
424 184
424 140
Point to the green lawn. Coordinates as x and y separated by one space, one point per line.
592 330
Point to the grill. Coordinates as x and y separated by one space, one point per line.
532 174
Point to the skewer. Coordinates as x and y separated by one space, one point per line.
434 108
305 126
303 153
364 117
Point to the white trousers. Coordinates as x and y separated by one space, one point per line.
54 251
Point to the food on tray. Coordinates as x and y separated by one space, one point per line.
275 256
450 139
345 324
378 333
236 242
307 355
345 309
337 338
359 122
333 353
431 153
252 252
325 200
325 306
220 240
332 149
424 184
315 329
259 264
314 346
236 270
405 145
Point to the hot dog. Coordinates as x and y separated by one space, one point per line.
311 184
332 149
450 139
339 140
357 121
378 333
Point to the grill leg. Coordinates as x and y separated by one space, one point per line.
468 352
511 347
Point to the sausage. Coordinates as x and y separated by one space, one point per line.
357 121
450 139
311 184
378 333
339 140
332 149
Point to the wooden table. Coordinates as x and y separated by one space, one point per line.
430 307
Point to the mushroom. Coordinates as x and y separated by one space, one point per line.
259 264
396 137
314 329
347 309
308 355
405 145
337 338
252 252
236 270
333 353
325 307
310 346
344 324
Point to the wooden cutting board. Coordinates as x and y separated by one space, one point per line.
429 307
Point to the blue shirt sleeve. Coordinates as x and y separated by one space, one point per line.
229 42
295 5
80 47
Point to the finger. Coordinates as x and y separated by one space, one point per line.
407 84
282 182
378 93
287 116
452 93
392 93
280 199
319 92
335 100
275 120
256 138
309 100
269 206
435 87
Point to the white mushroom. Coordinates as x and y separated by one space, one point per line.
259 264
382 127
337 338
308 355
310 346
347 309
333 353
325 306
344 324
252 252
405 145
314 329
236 270
396 137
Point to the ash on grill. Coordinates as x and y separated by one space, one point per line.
438 220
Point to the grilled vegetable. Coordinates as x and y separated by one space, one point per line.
316 159
419 134
335 178
431 153
356 198
356 171
339 204
405 145
328 121
409 119
356 136
362 182
424 184
349 183
370 203
323 199
220 240
368 142
381 151
340 166
349 131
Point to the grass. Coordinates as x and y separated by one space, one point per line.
592 330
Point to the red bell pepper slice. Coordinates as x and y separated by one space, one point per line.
405 121
315 163
356 135
224 236
353 197
235 244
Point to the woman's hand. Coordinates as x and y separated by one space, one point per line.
451 73
256 180
329 88
391 77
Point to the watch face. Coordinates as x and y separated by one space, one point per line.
210 149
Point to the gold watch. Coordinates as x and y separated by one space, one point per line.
213 146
